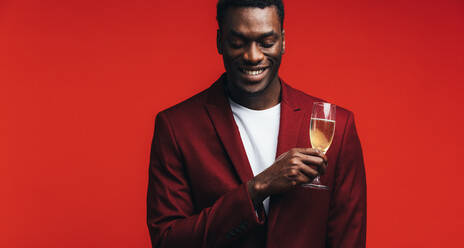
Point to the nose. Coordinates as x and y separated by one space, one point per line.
253 54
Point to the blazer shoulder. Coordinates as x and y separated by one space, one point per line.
300 97
187 108
304 101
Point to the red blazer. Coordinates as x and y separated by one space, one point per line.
197 194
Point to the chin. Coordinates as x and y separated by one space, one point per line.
253 89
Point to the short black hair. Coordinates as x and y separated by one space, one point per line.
223 5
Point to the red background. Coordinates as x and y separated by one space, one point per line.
81 82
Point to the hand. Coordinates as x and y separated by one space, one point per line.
295 167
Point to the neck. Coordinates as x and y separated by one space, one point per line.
265 99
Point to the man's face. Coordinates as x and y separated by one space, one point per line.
251 42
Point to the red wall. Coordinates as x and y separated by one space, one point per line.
81 82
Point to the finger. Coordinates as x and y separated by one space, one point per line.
297 176
303 178
307 171
319 163
312 152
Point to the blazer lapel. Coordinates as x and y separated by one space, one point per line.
291 120
291 135
219 111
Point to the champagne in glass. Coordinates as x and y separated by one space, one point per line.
321 132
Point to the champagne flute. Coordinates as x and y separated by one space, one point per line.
321 132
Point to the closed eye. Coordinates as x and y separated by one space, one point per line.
267 44
236 43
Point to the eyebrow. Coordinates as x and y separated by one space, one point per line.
242 36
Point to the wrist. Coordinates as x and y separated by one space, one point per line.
256 190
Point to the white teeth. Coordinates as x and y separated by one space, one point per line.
253 73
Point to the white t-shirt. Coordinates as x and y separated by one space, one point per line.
259 130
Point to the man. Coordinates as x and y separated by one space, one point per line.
214 180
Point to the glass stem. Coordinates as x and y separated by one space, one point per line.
316 180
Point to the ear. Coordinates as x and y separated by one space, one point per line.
283 41
219 41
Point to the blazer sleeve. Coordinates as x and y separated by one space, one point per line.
172 219
347 213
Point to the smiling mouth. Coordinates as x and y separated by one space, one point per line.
252 72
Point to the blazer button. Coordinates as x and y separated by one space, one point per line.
243 226
231 234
